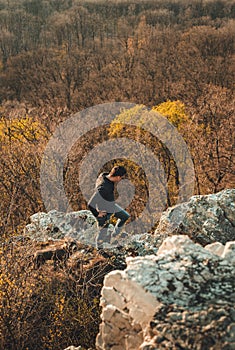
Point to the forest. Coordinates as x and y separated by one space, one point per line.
59 57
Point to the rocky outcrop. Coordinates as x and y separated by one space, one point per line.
80 225
205 219
181 298
177 291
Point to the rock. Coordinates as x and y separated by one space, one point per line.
80 225
229 252
182 297
141 244
206 219
215 248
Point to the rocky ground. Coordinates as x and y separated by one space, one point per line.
181 298
173 289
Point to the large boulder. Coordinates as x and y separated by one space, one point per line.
181 298
205 219
80 225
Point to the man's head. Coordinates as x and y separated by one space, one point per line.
117 173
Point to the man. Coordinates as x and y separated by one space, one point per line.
102 204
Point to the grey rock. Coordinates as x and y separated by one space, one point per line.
180 297
80 225
207 218
231 332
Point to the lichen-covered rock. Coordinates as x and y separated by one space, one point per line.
80 225
184 295
205 219
174 327
141 244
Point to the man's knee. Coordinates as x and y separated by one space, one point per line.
123 216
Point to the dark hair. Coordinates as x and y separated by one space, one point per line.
118 171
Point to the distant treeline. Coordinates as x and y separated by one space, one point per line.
71 52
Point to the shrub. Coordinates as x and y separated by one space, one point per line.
47 309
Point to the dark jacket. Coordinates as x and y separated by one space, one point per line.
103 198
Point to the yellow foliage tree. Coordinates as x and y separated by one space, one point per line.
174 111
21 129
22 139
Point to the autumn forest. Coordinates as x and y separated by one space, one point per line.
59 57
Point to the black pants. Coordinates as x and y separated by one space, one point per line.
103 223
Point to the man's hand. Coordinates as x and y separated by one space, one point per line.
102 213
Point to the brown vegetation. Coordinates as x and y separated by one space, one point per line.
46 308
59 255
60 58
